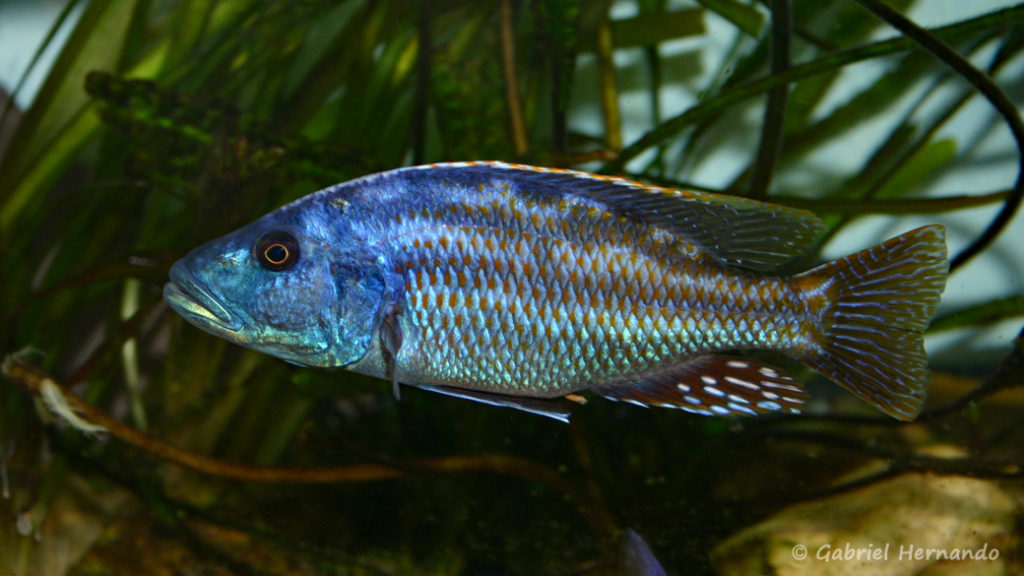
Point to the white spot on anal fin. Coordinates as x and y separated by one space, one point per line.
740 409
781 386
714 391
738 399
740 382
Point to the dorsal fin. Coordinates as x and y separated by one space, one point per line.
739 231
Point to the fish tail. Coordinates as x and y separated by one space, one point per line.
872 337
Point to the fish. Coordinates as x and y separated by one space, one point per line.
636 558
519 286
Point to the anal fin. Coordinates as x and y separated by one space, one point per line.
539 406
714 385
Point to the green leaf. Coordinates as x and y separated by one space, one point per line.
652 28
743 16
919 169
980 314
56 124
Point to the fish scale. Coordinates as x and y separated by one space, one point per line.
532 287
513 285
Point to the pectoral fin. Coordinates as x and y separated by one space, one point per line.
540 406
390 345
714 385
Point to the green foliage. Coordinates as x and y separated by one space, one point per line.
165 123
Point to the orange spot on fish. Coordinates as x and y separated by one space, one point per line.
528 269
576 398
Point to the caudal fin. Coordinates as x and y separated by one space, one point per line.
883 298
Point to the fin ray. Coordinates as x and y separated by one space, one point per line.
884 297
713 385
539 406
739 231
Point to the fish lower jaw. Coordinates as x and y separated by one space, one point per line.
220 324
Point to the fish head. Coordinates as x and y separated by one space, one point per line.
290 284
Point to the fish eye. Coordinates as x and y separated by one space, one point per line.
277 251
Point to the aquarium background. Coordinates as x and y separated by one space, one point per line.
132 443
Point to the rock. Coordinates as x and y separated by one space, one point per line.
913 524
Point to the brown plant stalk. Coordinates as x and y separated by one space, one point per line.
90 420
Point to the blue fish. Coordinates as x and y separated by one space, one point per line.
515 285
636 558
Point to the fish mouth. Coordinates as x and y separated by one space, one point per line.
193 300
